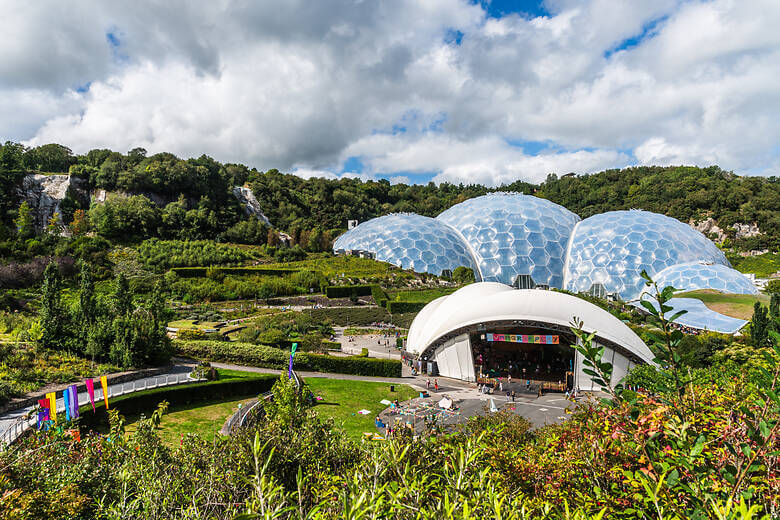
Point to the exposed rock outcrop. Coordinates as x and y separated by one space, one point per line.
44 193
709 227
745 230
250 203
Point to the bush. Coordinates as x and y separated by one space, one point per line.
349 315
202 272
346 291
269 357
379 295
394 307
364 352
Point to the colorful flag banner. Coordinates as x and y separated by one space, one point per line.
292 353
66 400
523 338
91 391
104 385
52 396
43 413
74 401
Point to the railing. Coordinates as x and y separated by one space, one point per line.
27 421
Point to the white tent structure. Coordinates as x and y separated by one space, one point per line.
441 331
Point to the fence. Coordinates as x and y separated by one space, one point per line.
29 419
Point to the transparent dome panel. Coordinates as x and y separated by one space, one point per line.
513 234
613 248
695 275
411 242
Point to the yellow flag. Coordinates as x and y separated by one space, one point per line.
104 384
52 396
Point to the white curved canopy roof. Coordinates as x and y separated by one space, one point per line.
489 301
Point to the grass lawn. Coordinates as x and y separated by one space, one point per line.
204 419
190 324
423 295
761 265
734 305
342 399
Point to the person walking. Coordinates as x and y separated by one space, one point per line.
436 384
508 395
500 385
427 384
513 396
528 385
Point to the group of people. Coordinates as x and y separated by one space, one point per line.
540 364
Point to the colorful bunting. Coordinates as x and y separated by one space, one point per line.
43 413
52 396
74 401
66 400
523 338
91 391
104 384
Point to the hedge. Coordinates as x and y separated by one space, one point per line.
146 401
345 291
349 315
270 357
200 272
379 295
394 307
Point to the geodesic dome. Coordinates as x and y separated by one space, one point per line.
513 234
613 248
695 275
410 241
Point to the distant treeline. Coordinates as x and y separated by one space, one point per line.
198 203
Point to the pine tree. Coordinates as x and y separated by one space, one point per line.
51 314
25 224
87 309
759 327
774 306
123 300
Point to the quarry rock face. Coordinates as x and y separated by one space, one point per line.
44 193
250 203
745 230
709 227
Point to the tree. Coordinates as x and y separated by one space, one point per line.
463 274
80 223
25 223
52 314
123 300
774 306
53 226
760 325
773 286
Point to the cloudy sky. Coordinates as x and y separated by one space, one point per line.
409 90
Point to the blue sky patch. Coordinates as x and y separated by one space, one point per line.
527 8
648 31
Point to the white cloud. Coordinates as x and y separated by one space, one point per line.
304 85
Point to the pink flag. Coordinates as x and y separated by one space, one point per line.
91 391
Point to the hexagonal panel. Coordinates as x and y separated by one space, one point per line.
694 276
513 234
410 241
651 242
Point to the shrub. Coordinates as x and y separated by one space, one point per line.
394 307
269 357
379 295
346 291
202 272
349 315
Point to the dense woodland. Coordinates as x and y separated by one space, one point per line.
191 199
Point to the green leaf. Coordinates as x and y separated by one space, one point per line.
672 478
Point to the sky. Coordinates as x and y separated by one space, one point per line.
460 91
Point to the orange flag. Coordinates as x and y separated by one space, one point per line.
104 384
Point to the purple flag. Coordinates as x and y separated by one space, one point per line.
74 401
